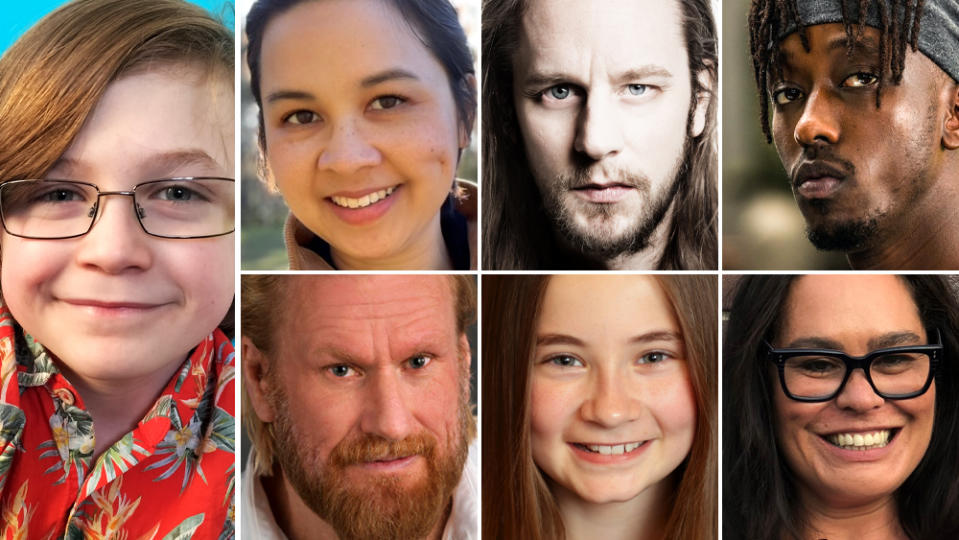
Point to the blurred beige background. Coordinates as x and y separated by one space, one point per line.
762 226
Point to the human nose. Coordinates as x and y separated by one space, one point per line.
858 394
347 150
116 241
819 121
387 412
610 401
599 133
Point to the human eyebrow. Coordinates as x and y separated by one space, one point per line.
657 335
388 75
545 79
865 46
558 339
167 163
643 72
281 95
894 339
814 342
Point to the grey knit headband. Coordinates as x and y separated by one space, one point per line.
938 30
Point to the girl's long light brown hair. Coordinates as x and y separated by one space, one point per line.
516 500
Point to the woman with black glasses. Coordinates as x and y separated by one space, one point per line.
839 409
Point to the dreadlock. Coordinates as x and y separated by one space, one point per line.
898 27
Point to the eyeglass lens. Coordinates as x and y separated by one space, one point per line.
176 207
896 373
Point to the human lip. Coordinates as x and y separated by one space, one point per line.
845 444
111 305
390 463
819 179
600 193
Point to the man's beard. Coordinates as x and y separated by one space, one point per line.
847 236
380 506
604 235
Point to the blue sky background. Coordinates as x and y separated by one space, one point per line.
18 17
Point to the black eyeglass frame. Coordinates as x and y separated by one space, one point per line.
128 193
779 357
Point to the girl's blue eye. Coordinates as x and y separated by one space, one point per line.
637 89
565 360
653 358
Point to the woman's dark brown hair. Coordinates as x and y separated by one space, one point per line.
516 500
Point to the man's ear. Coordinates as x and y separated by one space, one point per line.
950 131
464 353
466 124
703 99
255 366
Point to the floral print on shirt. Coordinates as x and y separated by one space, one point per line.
171 477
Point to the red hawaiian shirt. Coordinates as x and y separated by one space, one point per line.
171 477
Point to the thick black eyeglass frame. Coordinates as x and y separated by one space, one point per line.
779 357
129 193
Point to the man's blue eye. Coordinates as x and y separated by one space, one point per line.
560 91
637 89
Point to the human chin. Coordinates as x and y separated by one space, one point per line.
835 233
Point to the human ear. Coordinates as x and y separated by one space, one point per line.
464 353
950 132
703 98
255 366
466 124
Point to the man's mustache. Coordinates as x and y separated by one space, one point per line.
369 448
593 177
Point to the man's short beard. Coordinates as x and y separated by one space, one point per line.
381 507
604 244
848 236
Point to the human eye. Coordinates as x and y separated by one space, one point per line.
564 361
560 95
896 363
816 366
860 79
178 193
419 361
787 95
654 357
341 371
301 117
385 103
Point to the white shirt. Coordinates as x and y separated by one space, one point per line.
257 518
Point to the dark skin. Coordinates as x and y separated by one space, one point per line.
892 172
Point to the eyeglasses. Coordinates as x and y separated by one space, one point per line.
816 375
188 207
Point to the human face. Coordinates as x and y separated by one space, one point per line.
363 144
602 93
117 304
371 422
613 411
859 173
853 314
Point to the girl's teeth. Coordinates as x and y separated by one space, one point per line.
611 450
364 201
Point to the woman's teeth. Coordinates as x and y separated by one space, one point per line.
610 450
860 441
365 200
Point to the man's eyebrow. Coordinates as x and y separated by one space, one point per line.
643 72
861 45
545 79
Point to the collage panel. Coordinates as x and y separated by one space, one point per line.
116 322
358 410
853 142
599 406
839 413
358 120
601 152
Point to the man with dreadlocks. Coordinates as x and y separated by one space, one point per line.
864 105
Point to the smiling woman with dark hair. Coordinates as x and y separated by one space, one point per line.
839 413
364 144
